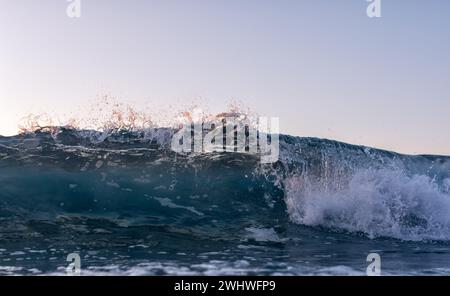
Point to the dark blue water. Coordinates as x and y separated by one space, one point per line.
127 204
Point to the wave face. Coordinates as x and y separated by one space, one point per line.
125 197
133 178
128 179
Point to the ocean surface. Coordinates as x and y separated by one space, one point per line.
128 205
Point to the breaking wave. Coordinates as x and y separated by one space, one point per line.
57 178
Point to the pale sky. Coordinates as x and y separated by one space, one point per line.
323 67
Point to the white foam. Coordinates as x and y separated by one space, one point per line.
262 234
375 202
